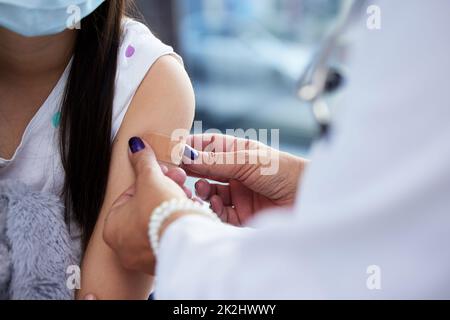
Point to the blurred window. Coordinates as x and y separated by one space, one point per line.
246 56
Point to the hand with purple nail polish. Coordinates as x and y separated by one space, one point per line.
126 225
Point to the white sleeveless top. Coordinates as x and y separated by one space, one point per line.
36 161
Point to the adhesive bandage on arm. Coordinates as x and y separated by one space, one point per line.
168 149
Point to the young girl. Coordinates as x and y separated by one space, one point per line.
69 103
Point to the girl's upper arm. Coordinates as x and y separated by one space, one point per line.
163 103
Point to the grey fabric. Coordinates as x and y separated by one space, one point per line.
35 246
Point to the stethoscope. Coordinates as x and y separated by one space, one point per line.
320 78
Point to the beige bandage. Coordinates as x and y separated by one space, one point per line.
167 149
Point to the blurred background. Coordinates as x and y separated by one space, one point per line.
245 58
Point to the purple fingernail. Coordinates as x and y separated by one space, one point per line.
136 144
191 153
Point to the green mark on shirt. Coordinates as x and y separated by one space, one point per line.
56 120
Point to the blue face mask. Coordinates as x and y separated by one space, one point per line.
32 18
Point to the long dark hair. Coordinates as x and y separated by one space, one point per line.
86 114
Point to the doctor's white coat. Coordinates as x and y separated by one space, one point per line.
373 215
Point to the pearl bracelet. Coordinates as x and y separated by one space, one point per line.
162 213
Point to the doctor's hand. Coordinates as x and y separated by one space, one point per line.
256 176
126 226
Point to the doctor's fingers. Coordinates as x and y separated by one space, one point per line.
228 214
224 166
205 190
221 143
235 199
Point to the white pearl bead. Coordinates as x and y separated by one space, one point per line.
167 209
